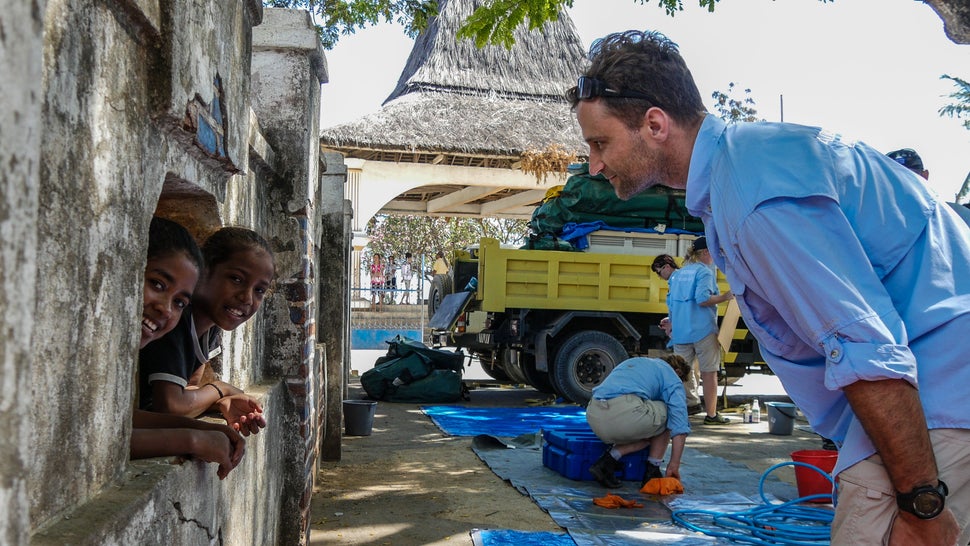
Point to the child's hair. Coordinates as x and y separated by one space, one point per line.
166 237
226 242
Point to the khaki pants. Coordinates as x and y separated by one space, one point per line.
626 419
867 500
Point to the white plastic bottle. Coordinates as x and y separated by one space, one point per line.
755 411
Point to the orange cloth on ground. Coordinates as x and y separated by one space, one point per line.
662 486
616 501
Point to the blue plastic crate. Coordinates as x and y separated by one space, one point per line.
571 452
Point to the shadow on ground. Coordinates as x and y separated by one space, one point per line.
408 483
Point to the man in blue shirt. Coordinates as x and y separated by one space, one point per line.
641 404
852 275
692 300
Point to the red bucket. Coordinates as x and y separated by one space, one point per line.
809 481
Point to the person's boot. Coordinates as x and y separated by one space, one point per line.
604 470
650 472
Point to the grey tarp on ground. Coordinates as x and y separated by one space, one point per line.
710 483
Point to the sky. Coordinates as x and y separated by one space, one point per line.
868 69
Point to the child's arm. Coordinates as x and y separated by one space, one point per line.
151 420
169 397
207 445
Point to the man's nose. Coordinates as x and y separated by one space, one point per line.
595 164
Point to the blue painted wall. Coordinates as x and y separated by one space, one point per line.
378 338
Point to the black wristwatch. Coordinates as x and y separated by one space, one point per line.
925 501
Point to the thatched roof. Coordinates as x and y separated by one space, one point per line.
455 99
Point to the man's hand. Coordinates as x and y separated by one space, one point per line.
910 530
242 413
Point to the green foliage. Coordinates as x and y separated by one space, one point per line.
492 23
393 235
335 18
960 108
734 110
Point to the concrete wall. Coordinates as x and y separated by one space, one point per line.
20 107
115 110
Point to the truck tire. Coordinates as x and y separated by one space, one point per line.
539 380
583 362
492 369
440 287
513 370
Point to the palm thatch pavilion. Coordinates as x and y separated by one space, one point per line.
466 131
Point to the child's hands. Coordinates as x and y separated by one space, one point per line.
242 413
236 441
213 447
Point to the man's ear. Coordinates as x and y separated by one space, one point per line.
656 124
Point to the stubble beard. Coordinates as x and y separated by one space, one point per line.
648 168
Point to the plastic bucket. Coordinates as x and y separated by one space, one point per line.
809 481
781 418
359 417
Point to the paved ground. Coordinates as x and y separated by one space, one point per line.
408 483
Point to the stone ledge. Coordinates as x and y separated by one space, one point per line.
161 501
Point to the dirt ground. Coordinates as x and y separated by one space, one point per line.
410 484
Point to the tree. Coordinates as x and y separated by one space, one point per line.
335 18
393 235
492 23
960 108
733 110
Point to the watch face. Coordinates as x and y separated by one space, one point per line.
928 504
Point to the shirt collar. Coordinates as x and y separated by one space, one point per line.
698 177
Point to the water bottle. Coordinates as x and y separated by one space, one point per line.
755 411
747 414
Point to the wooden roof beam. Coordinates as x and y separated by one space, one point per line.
461 197
530 197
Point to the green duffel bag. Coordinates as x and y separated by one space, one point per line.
440 386
388 376
440 359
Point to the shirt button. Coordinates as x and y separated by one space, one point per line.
834 354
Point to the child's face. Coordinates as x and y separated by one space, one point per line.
233 291
169 282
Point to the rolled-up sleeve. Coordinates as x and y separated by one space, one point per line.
823 292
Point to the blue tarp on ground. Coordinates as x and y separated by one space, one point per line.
507 422
506 537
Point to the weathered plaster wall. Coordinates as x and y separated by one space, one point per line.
20 101
121 109
101 171
288 69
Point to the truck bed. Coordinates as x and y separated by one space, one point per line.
547 279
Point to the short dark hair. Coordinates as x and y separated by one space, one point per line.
166 237
644 62
662 260
223 244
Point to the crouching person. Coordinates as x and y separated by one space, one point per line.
640 405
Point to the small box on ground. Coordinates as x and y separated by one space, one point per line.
571 452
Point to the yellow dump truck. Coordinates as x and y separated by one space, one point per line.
560 321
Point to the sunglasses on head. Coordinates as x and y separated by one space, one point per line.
588 88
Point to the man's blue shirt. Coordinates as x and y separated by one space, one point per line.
650 379
844 265
688 287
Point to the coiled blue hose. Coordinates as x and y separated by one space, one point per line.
787 523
